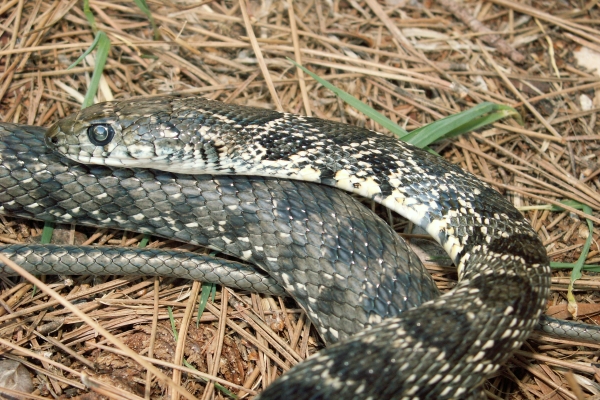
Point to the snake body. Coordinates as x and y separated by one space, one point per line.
442 349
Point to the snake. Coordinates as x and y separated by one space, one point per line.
264 186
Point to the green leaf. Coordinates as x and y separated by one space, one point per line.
103 48
173 324
586 267
146 10
89 15
86 52
144 242
354 102
207 289
47 232
578 267
457 124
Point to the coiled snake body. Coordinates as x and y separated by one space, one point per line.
442 349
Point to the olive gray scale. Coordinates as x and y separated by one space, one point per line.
48 259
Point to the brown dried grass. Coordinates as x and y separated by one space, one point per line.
405 60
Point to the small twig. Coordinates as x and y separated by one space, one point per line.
259 57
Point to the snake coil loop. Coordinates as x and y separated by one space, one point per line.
444 348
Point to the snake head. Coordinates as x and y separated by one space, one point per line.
116 133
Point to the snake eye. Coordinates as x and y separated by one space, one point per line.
101 134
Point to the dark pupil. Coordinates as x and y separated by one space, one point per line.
100 133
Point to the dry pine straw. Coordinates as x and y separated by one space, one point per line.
405 60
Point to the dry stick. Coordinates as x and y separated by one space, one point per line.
258 84
242 87
549 173
298 58
512 87
575 386
7 6
183 330
209 388
410 99
265 349
542 199
152 335
99 328
274 340
197 29
365 63
55 374
575 115
527 132
35 37
581 197
81 294
66 349
289 325
544 378
532 78
232 19
259 57
558 171
582 42
580 284
39 357
427 82
176 60
522 386
565 176
9 72
262 360
325 40
567 25
16 394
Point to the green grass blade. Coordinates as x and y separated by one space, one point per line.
354 102
457 124
146 10
586 267
173 324
205 294
578 266
86 52
47 232
144 242
89 15
103 48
